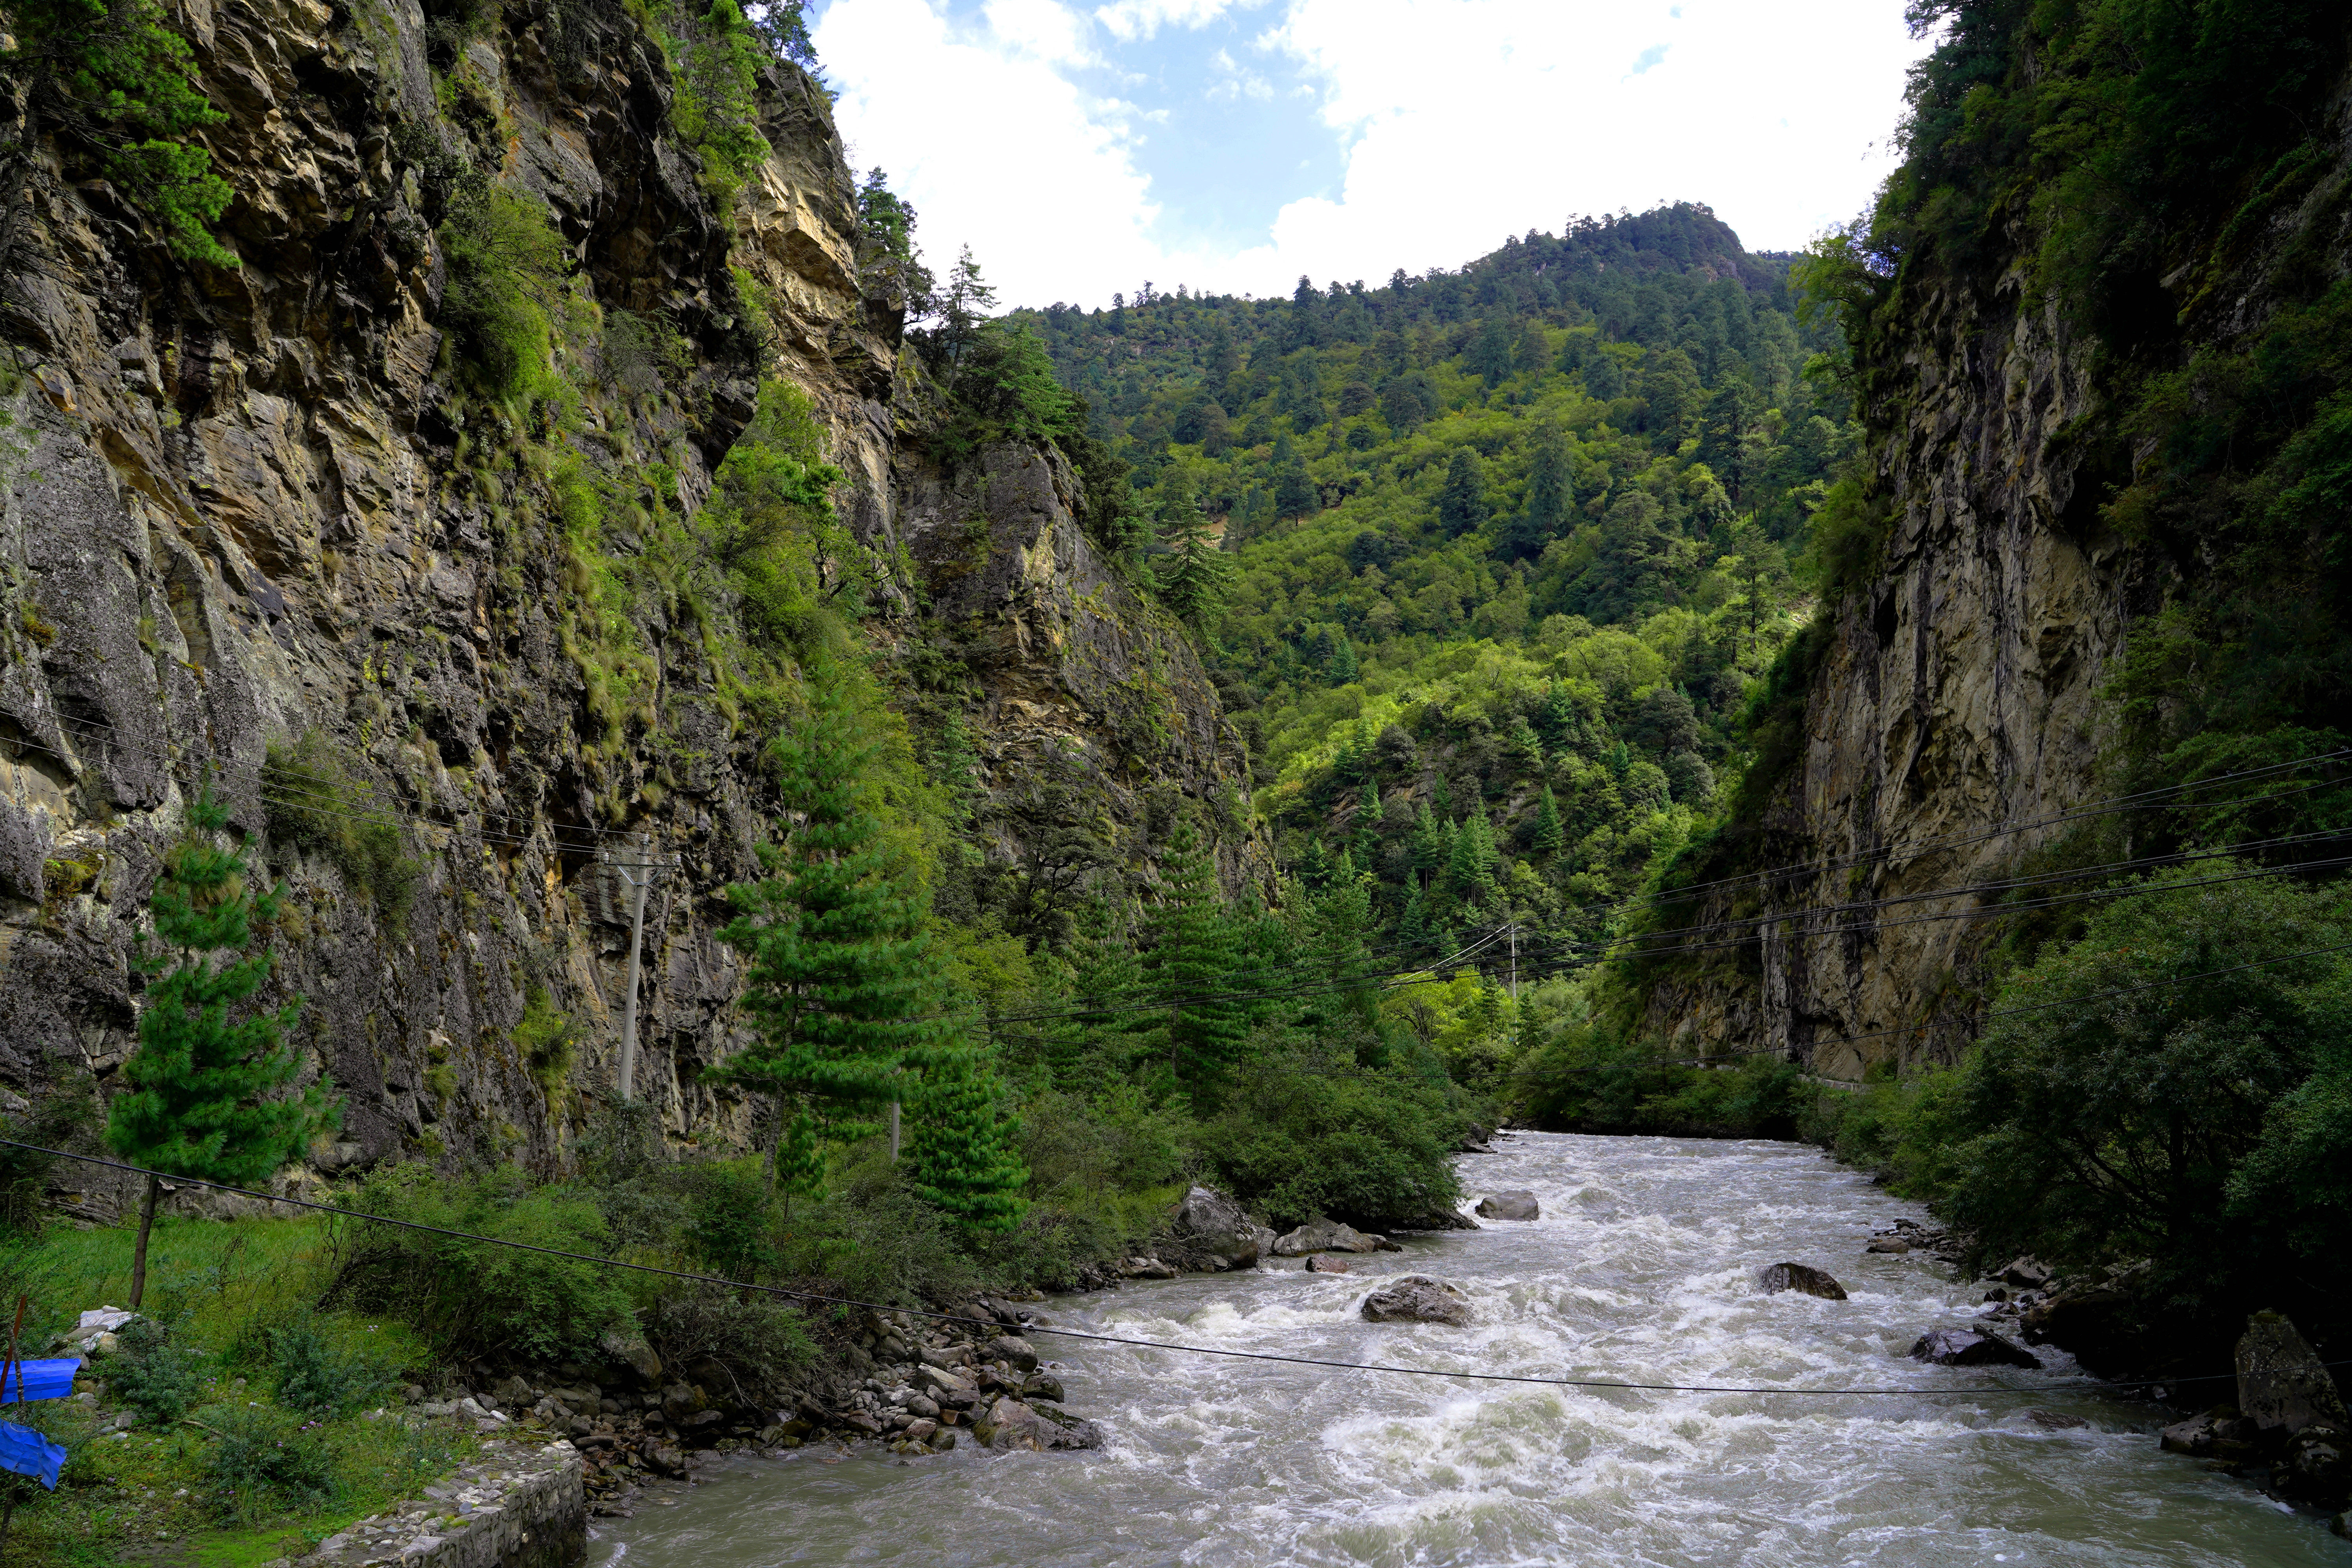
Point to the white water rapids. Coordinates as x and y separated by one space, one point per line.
1641 1268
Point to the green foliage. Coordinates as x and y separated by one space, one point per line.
206 1089
262 1460
2196 1125
153 1372
545 1041
758 1344
1193 575
1309 1131
1191 949
471 1298
318 804
770 521
120 81
961 1157
508 271
715 62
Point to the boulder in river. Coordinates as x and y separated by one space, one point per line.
2220 1434
1009 1424
1891 1244
1322 1234
1319 1264
1800 1277
1519 1204
1215 1224
1146 1269
1042 1385
2282 1387
1970 1347
1418 1299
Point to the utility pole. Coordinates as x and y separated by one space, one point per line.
1514 961
638 877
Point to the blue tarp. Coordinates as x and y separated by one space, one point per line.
43 1379
28 1453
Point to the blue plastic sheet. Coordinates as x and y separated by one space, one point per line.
28 1453
43 1379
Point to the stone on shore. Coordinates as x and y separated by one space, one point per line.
2282 1387
1013 1349
1801 1277
1520 1204
1418 1299
1970 1347
1322 1234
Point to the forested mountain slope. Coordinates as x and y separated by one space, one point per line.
1503 549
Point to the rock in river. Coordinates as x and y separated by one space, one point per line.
1969 1347
1322 1264
1321 1234
1508 1205
2283 1386
1216 1225
1418 1299
1799 1277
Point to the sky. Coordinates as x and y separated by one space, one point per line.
1083 147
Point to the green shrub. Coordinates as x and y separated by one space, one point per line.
318 803
729 1217
870 1238
1308 1132
320 1373
262 1461
545 1042
507 267
758 1344
153 1374
473 1298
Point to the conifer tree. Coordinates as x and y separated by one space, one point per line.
1343 661
844 979
1413 926
1192 576
206 1098
1490 352
1429 846
1190 967
1462 503
1295 494
1551 834
960 1157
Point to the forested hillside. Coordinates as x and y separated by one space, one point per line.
1504 549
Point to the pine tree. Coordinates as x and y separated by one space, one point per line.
963 306
844 979
1462 503
205 1097
960 1157
1190 964
1551 834
1428 844
1343 666
1551 492
1193 575
1490 352
1295 494
1413 926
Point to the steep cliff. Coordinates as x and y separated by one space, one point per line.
2070 501
446 653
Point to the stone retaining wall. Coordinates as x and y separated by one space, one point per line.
518 1506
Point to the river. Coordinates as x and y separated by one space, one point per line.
1640 1269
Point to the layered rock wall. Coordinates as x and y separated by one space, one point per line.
247 505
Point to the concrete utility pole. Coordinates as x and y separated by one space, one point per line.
638 875
1514 961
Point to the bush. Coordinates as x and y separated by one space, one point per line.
872 1239
507 267
152 1374
758 1345
316 1376
262 1461
318 804
1310 1133
473 1298
2197 1124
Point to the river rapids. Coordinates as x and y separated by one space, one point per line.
1641 1268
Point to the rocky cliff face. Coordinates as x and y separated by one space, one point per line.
247 506
1958 704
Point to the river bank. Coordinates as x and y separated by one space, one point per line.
1641 1268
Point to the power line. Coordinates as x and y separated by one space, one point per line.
336 1211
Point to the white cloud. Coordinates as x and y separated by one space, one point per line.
1134 19
1463 121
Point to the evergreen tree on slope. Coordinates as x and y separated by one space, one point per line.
1204 1033
205 1099
844 982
